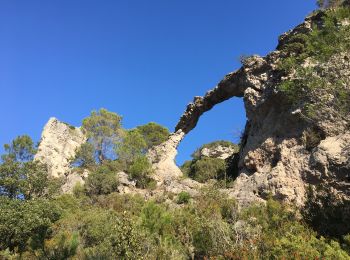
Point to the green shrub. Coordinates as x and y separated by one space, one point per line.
85 156
25 224
279 233
309 85
186 168
140 171
122 203
156 219
94 233
101 181
63 246
153 134
183 197
207 168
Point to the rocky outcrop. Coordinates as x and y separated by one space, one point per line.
72 179
163 156
283 149
170 185
59 142
218 151
275 157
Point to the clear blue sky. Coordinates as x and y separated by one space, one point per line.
144 60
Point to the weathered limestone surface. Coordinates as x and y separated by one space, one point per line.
273 157
163 158
219 151
59 142
58 145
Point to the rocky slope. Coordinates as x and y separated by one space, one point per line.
275 155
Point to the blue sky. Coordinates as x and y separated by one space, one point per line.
144 60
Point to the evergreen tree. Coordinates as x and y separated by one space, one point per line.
103 129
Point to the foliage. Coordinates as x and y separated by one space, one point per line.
25 224
205 169
107 236
183 197
140 170
155 219
62 246
36 182
20 176
11 178
137 141
132 146
311 138
103 129
21 149
130 204
311 85
118 226
153 134
87 232
102 181
85 156
129 146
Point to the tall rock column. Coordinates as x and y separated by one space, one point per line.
163 158
58 145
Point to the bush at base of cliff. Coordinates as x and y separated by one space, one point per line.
183 197
327 213
205 169
101 181
140 170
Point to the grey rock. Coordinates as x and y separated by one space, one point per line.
58 145
273 157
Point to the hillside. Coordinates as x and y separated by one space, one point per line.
101 191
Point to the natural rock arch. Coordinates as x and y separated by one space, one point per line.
235 84
269 159
273 157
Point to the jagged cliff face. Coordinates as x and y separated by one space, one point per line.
57 147
286 147
283 149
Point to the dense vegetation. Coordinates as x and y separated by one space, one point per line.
313 85
203 168
97 222
114 226
110 148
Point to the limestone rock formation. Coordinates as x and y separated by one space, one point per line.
163 156
275 156
72 179
219 151
283 149
58 145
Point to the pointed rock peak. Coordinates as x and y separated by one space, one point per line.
59 142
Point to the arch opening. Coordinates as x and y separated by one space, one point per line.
225 121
